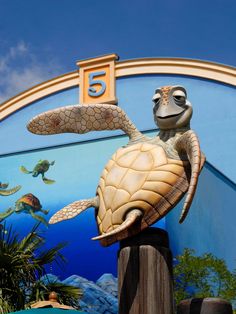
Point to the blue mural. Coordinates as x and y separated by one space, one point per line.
76 173
79 160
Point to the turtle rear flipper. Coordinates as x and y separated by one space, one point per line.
47 181
82 119
6 214
10 191
39 218
24 170
73 209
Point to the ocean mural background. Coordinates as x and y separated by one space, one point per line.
78 166
76 173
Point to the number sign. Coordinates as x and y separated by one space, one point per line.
93 82
97 80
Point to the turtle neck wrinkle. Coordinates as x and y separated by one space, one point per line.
166 135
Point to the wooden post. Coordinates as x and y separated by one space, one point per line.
145 274
204 306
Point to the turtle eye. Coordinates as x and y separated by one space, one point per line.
179 97
156 99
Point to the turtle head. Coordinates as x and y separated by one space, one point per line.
171 108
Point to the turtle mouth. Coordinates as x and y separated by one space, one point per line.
170 116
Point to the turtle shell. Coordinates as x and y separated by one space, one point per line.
140 176
30 200
42 166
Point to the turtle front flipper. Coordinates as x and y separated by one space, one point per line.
24 170
10 191
47 181
73 209
82 119
188 143
38 217
6 214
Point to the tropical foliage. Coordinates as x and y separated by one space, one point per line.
22 264
203 276
66 294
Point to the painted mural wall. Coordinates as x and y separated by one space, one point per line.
77 161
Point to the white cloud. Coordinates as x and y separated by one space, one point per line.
20 70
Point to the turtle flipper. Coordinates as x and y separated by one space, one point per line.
189 144
10 191
24 170
47 181
73 209
38 217
6 214
82 119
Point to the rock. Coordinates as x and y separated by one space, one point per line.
109 284
49 278
95 299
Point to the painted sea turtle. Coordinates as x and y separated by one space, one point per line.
28 204
5 192
146 178
41 167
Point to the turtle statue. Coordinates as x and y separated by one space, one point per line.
28 204
146 178
41 167
5 192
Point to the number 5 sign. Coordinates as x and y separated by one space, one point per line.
97 80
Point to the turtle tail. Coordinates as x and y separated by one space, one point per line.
74 209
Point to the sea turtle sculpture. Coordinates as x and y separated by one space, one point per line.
28 204
146 178
41 167
5 192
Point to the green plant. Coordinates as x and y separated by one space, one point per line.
203 276
66 294
22 263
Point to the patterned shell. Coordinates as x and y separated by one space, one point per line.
140 176
31 200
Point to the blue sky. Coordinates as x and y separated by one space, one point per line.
43 39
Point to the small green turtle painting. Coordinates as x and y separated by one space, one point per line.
5 192
28 204
41 167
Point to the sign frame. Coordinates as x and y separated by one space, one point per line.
97 80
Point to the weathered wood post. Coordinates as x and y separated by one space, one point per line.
204 306
145 274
